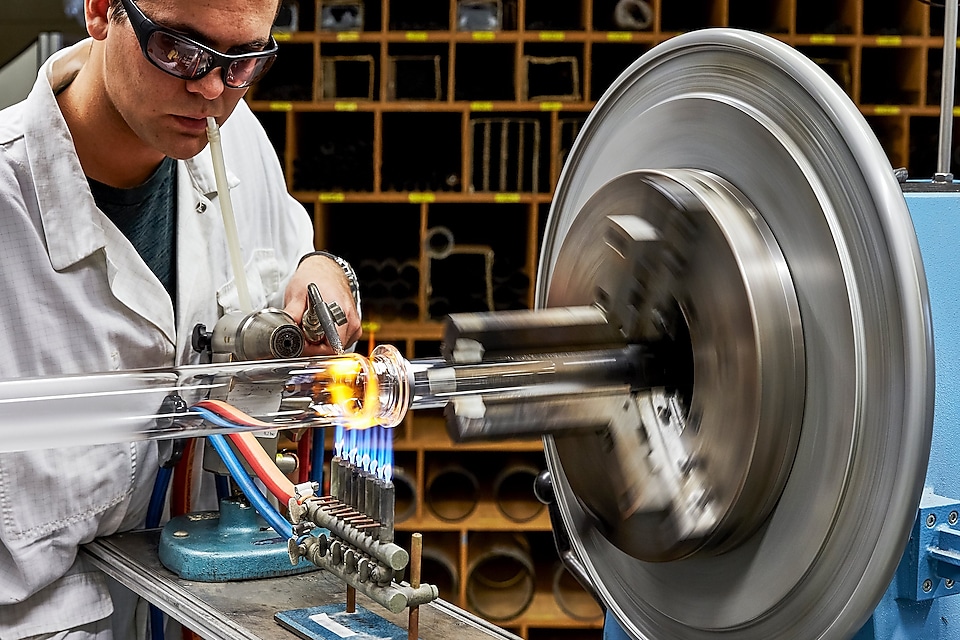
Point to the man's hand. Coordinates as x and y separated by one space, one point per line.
334 287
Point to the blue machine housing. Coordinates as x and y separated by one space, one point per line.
920 603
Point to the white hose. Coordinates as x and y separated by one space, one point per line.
229 220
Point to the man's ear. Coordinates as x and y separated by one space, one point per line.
97 15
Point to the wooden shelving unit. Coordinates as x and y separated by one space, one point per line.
404 140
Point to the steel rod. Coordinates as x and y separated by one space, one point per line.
946 94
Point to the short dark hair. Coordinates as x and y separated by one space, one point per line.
118 11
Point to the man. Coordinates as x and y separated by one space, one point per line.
112 249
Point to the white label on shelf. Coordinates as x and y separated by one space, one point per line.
333 626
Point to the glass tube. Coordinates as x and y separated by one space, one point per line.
357 392
348 390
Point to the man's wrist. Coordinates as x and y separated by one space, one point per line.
345 267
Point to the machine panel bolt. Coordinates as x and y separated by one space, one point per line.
180 534
931 520
927 585
952 518
948 583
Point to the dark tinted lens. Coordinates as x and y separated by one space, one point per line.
177 56
242 73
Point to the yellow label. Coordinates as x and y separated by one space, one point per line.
505 198
481 106
281 36
553 36
370 326
483 35
956 111
886 110
889 41
417 36
344 106
551 106
620 36
348 36
332 196
823 38
281 106
421 197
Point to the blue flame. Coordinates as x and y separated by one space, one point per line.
370 449
339 440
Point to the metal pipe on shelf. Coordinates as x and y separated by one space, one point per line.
944 174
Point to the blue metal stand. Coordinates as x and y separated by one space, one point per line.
234 543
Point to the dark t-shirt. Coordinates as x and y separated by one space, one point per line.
147 216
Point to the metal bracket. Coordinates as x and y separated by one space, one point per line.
930 565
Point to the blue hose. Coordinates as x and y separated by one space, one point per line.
159 497
259 502
154 512
316 456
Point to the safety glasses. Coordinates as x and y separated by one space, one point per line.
185 58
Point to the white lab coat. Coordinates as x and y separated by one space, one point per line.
76 297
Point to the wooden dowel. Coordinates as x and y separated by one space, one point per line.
416 554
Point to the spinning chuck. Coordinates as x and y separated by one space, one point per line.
726 197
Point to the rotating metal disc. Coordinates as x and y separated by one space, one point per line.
767 121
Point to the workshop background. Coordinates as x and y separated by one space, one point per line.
426 137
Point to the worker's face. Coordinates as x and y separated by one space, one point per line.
165 112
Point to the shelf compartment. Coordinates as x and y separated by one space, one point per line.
349 72
935 79
406 490
417 72
275 124
575 602
894 18
421 15
935 18
472 264
891 75
506 154
891 131
767 17
293 17
388 272
421 152
549 15
925 147
341 15
479 15
835 17
837 62
475 79
551 72
287 81
440 564
609 61
623 15
569 126
500 581
334 152
678 17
